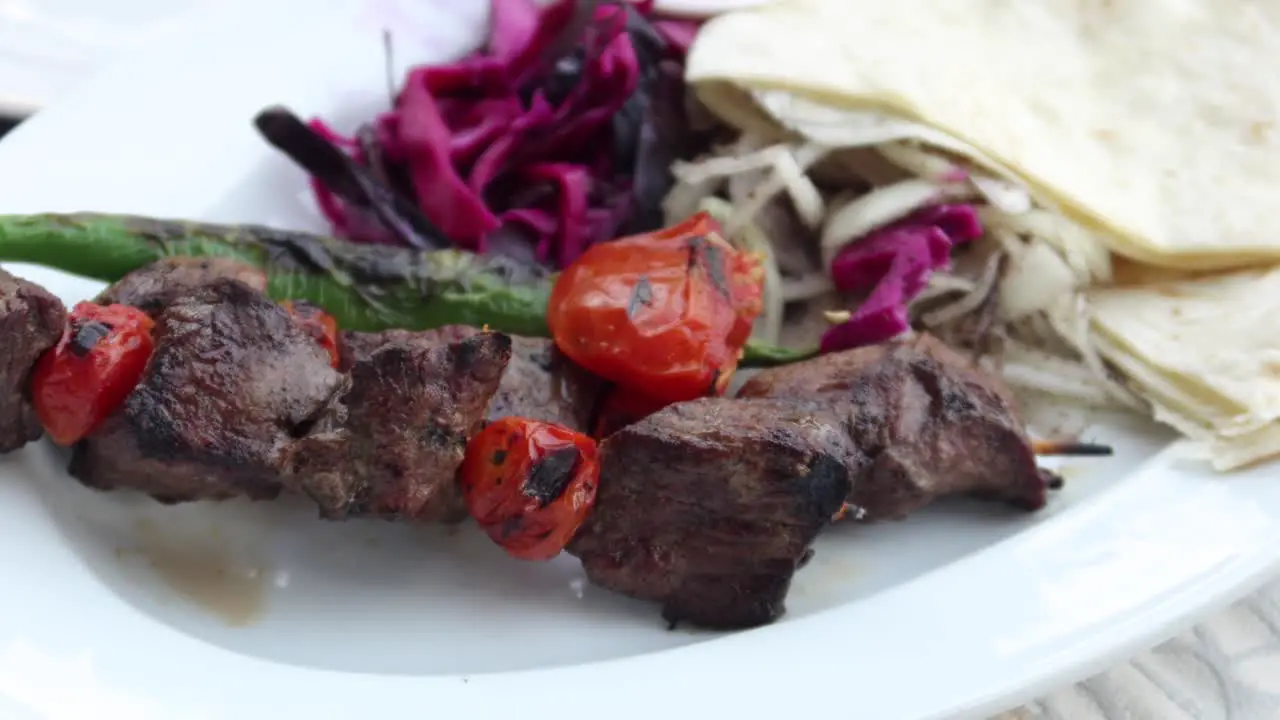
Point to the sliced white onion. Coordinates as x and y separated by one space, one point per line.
833 126
946 282
1034 280
1050 255
941 284
1070 319
1003 195
922 163
1053 383
1084 253
786 165
789 167
705 177
1036 369
1054 416
1010 243
738 188
683 198
970 301
722 166
880 207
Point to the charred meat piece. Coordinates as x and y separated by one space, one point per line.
31 321
540 383
360 346
394 448
710 506
232 382
930 423
155 287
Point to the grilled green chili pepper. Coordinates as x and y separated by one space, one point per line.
364 287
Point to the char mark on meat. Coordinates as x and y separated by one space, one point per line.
360 346
31 321
155 287
540 383
929 422
232 381
394 448
710 506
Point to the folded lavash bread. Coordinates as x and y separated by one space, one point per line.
1152 123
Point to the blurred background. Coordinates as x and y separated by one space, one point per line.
48 47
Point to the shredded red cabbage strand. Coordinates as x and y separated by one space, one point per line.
499 145
894 264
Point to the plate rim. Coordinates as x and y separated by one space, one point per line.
1235 565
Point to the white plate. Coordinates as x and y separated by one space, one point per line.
48 46
961 610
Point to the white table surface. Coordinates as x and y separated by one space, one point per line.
1226 668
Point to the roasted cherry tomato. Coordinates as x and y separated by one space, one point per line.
99 360
665 313
530 484
319 323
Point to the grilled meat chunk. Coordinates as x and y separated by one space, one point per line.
155 287
540 383
394 450
357 346
710 506
31 321
929 423
232 382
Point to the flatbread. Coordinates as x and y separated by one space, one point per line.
1154 121
1152 124
1205 352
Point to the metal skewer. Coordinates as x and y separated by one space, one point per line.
1073 448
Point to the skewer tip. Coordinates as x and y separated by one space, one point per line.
1071 447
